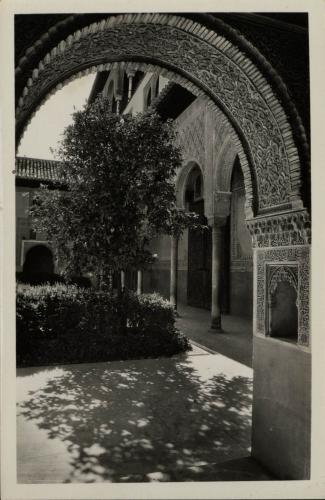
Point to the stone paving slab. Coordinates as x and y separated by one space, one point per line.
167 419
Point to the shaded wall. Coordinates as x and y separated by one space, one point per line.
281 407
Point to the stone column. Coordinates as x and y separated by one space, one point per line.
173 271
217 220
130 76
217 237
123 280
118 99
139 282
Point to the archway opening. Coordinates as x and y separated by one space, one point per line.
224 74
39 260
199 245
238 255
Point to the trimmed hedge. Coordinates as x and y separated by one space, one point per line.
61 323
50 278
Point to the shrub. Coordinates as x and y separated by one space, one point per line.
42 278
149 311
68 324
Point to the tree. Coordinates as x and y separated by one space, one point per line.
119 173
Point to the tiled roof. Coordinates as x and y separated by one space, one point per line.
37 169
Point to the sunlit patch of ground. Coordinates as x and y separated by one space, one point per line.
164 419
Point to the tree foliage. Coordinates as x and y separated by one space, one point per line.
119 173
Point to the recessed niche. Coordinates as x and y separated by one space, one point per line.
282 304
284 312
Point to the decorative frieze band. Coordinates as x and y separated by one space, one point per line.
286 229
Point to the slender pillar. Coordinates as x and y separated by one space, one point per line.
139 282
173 271
217 235
123 280
118 101
130 77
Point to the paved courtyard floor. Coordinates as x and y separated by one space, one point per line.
235 342
186 418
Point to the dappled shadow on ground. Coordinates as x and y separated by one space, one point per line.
147 422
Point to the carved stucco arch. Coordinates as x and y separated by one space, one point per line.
219 116
210 65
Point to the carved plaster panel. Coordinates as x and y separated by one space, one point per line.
191 138
274 264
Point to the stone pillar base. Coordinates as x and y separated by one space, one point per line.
216 325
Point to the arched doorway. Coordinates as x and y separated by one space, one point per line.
199 245
217 63
39 259
211 61
207 72
239 250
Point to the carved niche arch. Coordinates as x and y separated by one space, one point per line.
279 274
207 63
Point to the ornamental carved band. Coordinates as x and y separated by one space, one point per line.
292 228
211 63
283 264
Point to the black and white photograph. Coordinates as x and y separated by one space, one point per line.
161 183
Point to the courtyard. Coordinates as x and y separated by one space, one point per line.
176 176
185 418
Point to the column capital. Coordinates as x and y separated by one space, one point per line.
221 203
217 220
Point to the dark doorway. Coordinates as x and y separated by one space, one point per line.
199 262
199 246
39 259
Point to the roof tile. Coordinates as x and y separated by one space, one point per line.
37 169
